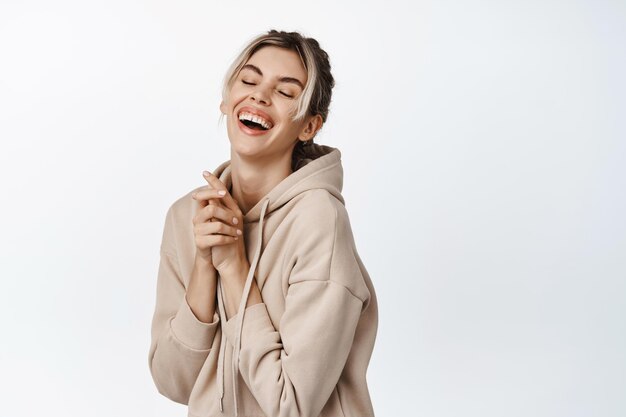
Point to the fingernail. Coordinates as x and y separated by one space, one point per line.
206 173
238 232
235 221
221 192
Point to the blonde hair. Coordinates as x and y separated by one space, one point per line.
316 96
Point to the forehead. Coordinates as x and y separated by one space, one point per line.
277 62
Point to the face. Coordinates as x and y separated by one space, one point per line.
260 104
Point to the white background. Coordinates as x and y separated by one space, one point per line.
484 151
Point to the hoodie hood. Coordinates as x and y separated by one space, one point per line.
318 166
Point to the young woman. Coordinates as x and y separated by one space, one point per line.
263 306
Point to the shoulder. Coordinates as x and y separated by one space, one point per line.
178 221
317 211
313 221
184 206
322 243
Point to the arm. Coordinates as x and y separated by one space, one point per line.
233 282
180 342
293 371
201 292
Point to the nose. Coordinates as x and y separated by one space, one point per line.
260 95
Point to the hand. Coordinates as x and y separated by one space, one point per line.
208 232
218 228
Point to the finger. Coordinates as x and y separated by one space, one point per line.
228 199
206 193
212 201
207 241
216 227
206 196
216 212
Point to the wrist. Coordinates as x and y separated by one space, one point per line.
236 271
202 262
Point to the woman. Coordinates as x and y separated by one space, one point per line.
263 305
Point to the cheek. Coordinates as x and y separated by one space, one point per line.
235 94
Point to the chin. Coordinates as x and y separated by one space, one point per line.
247 146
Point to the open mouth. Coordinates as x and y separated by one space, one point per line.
254 121
253 125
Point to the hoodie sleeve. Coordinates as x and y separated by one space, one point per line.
180 343
293 371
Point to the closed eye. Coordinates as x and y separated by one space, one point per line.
281 92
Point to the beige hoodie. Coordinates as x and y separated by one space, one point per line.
303 351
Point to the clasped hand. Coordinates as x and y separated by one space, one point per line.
218 227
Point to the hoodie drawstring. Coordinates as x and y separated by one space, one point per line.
220 356
241 312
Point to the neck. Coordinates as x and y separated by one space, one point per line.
254 178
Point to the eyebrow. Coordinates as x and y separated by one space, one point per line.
281 79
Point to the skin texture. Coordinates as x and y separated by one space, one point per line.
219 249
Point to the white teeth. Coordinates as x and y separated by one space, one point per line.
249 116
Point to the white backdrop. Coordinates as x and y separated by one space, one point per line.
484 152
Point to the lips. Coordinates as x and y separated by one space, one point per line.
256 112
248 131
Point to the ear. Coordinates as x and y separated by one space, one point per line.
223 107
313 124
